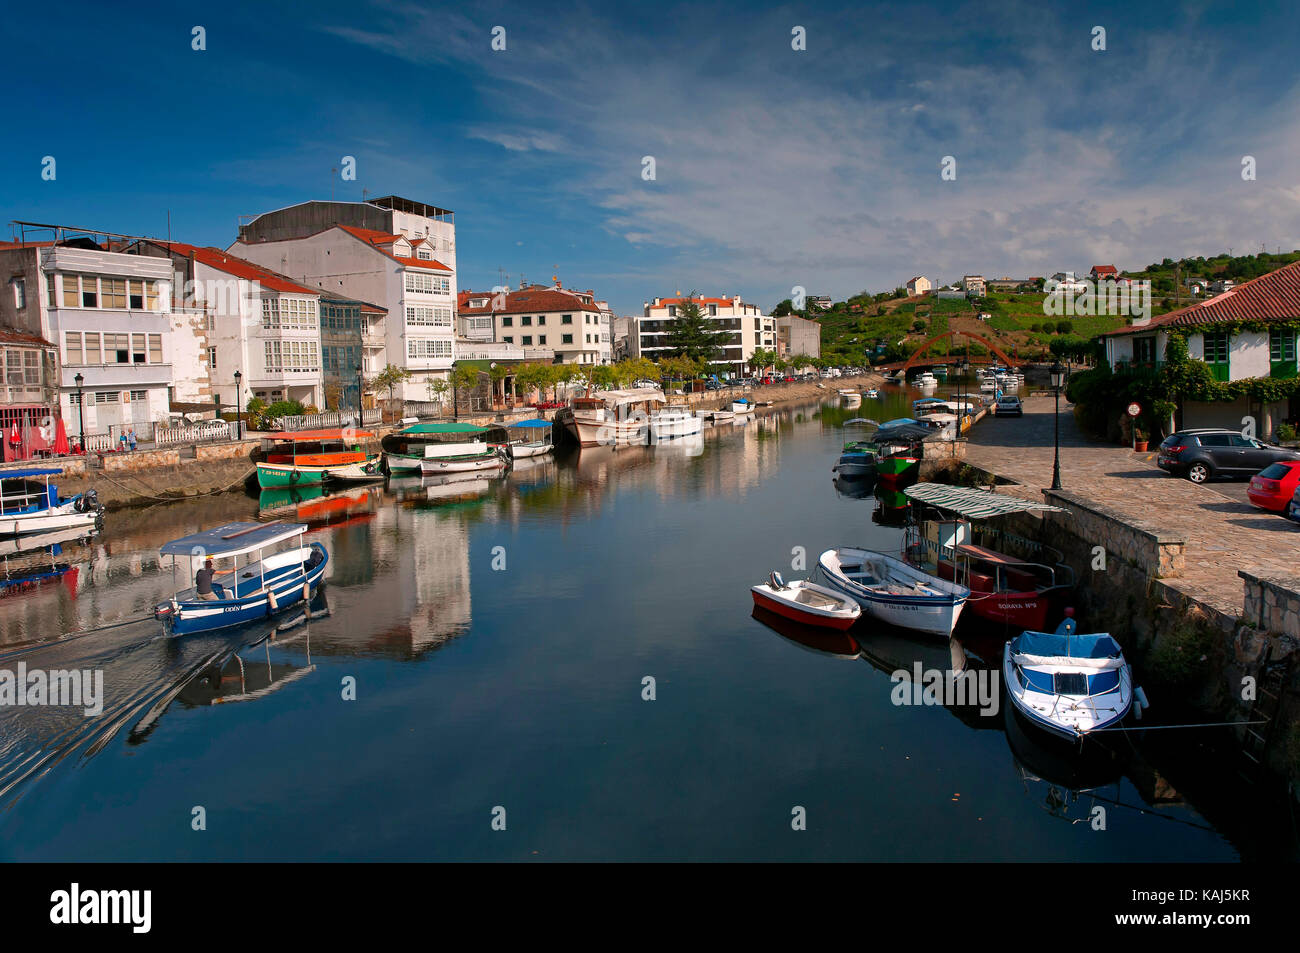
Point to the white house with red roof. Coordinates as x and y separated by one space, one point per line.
750 328
1100 272
395 253
572 324
1213 329
919 285
261 323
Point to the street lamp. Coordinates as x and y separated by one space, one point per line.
360 389
1057 375
81 410
239 407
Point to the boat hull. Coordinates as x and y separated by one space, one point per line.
934 614
272 476
188 617
402 463
434 466
663 428
1037 708
839 622
64 516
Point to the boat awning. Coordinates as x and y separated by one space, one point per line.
1097 645
538 423
443 428
987 555
905 434
305 436
233 539
633 396
974 503
25 474
928 400
861 421
900 422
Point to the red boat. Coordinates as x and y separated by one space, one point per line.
1019 591
807 602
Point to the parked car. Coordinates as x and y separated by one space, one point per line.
1008 405
1274 487
1293 509
1203 454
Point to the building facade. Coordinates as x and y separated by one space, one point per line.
748 328
796 335
572 325
393 252
919 285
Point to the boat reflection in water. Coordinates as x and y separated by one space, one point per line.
29 562
834 644
855 487
891 507
317 506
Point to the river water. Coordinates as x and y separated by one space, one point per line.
501 637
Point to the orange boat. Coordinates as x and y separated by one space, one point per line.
306 457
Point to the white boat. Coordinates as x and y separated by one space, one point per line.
608 418
848 392
674 422
460 458
722 416
871 393
926 379
25 508
988 385
543 442
893 591
807 602
742 406
1066 684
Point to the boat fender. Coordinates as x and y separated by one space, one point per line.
271 600
306 590
295 476
1141 697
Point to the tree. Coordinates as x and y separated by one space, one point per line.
690 335
498 373
760 359
334 395
783 308
390 377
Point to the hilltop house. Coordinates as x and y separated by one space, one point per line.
918 286
1101 272
1246 332
974 286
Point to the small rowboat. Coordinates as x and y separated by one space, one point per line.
806 602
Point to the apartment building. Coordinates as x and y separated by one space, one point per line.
749 328
572 324
394 252
796 335
109 317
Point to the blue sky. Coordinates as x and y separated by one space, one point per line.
774 168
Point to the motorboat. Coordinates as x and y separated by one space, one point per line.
404 450
871 393
926 379
304 457
807 602
856 461
608 418
30 503
722 416
894 591
270 579
1014 582
442 458
539 439
674 422
1066 684
742 405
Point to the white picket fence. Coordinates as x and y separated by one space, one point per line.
192 433
100 442
329 419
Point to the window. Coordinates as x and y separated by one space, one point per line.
74 400
212 359
424 254
588 338
117 349
137 349
139 395
528 340
291 313
20 293
428 317
566 338
566 319
427 348
92 348
541 340
155 349
1216 347
72 353
107 397
1214 439
526 321
1144 350
1281 346
508 340
114 293
713 310
427 284
507 321
541 319
672 311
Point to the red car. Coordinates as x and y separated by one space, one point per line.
1274 486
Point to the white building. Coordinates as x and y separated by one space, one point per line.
572 325
393 252
109 315
749 328
260 323
919 285
973 285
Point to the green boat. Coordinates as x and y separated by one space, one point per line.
405 449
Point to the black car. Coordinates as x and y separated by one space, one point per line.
1203 454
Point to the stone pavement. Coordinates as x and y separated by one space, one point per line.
1222 532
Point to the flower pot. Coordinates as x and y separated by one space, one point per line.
1140 446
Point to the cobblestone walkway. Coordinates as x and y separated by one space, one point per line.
1222 533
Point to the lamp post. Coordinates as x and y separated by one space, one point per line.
360 390
1057 374
239 407
81 411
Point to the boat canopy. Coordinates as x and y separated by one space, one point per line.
974 503
26 474
861 421
924 401
308 436
536 423
233 539
898 422
905 433
442 428
633 396
1097 645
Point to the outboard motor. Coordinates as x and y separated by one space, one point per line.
87 501
775 580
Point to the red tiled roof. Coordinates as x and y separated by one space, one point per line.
231 265
377 240
14 336
1271 297
534 300
664 301
1105 270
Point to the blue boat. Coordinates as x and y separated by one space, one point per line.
28 508
270 579
1068 684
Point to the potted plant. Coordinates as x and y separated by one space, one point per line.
1140 438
